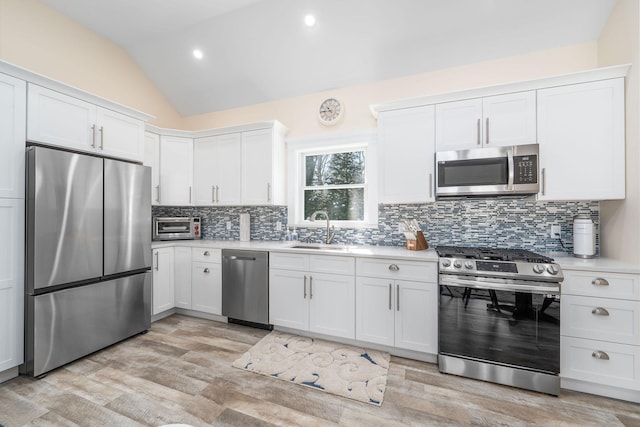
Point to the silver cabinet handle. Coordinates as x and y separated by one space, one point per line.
430 185
390 291
305 287
206 253
102 137
268 191
217 194
599 281
394 267
599 311
93 138
158 190
157 260
601 355
479 131
544 181
213 194
189 194
310 287
397 297
486 131
206 270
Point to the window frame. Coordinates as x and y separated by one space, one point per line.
340 143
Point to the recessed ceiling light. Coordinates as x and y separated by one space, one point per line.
309 20
197 53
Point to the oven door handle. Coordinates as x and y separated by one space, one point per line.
447 280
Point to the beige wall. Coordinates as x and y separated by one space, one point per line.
299 114
620 220
40 39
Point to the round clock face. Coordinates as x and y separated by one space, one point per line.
330 111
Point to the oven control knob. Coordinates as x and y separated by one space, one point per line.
552 269
538 268
468 265
457 264
446 262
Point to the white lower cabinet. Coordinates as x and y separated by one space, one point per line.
206 287
600 336
182 272
396 312
163 280
305 293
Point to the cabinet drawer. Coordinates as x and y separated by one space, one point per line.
600 362
600 318
606 285
332 264
289 261
406 270
206 255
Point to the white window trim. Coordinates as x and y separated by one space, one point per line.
298 147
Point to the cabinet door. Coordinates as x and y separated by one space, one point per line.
256 167
289 299
459 125
407 146
509 119
206 286
176 168
163 280
182 270
581 136
120 135
229 166
416 322
57 119
13 110
152 159
332 305
375 310
11 282
205 171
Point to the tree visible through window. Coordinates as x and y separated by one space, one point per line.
335 182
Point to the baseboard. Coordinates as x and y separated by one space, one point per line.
9 374
600 390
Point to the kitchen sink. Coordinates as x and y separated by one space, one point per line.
320 247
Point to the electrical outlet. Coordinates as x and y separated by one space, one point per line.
228 225
278 226
555 231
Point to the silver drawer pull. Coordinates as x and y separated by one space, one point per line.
305 287
206 253
599 311
600 355
206 270
394 267
599 281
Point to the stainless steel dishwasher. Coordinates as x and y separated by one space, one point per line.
245 287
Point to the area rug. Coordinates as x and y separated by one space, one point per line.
340 369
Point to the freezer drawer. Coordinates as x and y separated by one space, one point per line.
66 325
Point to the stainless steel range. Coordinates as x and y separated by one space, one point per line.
499 316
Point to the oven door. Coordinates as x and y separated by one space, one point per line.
172 228
508 323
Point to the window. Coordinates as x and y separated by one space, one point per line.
334 174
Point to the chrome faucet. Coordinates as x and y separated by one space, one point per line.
330 230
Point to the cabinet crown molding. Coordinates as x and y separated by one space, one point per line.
269 124
504 88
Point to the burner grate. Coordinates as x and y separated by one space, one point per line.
492 254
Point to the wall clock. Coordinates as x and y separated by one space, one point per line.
330 111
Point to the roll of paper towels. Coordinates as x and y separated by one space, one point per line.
245 227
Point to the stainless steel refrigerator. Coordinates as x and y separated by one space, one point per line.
88 255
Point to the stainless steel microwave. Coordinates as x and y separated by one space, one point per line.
176 228
488 172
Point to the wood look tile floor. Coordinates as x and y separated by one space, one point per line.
180 372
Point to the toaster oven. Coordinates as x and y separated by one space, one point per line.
186 228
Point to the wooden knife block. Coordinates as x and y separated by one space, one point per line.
419 244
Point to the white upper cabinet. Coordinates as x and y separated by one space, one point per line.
257 167
492 121
152 159
582 143
176 170
58 119
217 170
406 144
13 101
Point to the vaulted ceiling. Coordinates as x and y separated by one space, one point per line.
260 50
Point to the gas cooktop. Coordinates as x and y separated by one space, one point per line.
492 254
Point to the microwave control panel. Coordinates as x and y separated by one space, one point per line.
525 169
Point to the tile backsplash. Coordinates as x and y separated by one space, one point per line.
483 222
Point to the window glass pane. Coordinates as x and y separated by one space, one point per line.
345 204
335 168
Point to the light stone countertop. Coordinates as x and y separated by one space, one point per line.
596 264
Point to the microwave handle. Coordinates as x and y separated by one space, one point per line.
510 165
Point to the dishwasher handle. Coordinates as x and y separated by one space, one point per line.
240 258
